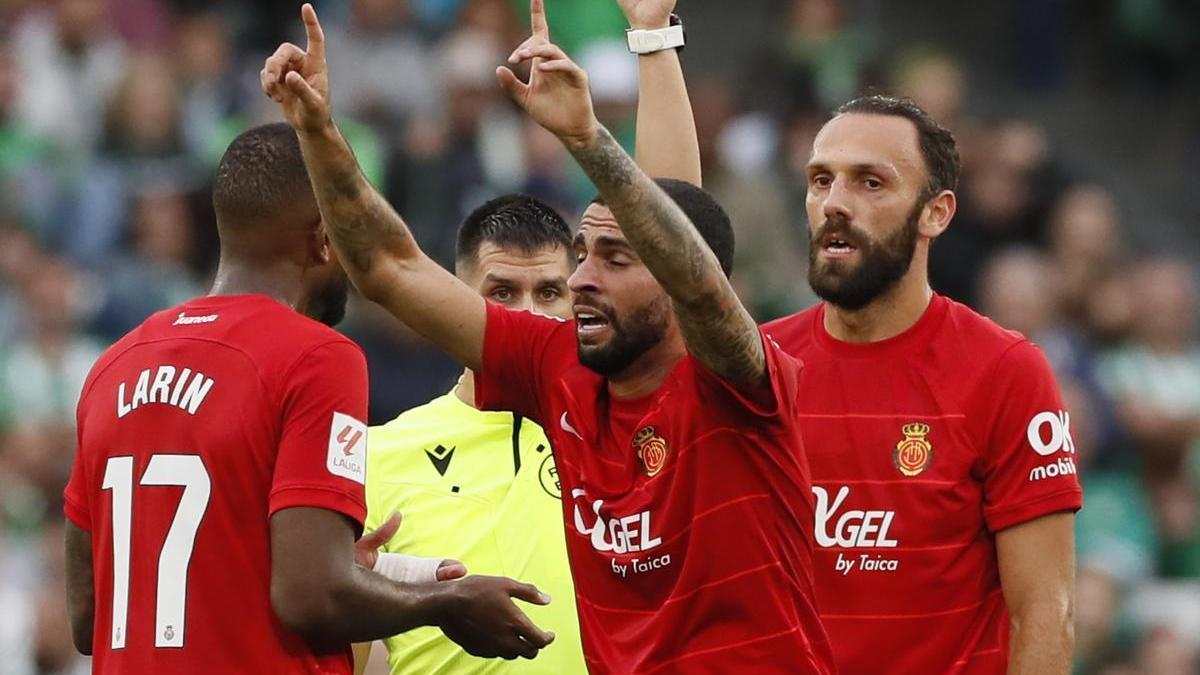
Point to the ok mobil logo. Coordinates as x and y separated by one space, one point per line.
613 535
850 528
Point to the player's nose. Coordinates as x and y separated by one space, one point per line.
836 201
586 277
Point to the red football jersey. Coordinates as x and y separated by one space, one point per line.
922 447
688 511
193 429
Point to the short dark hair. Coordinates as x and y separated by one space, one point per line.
938 148
520 221
261 175
706 215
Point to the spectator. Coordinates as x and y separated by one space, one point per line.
42 374
383 69
822 47
1155 381
70 65
156 274
143 144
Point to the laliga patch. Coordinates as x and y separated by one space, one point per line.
347 448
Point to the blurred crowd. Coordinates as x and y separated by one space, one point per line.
113 114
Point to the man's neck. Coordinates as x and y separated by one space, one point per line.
887 316
649 371
243 279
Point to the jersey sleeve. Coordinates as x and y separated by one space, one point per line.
77 503
322 457
783 371
519 349
1028 461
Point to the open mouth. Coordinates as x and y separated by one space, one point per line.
589 321
837 245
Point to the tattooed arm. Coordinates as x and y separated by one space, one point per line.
373 242
717 328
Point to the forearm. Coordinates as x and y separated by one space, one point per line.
716 327
369 236
654 225
667 144
1042 640
382 257
80 587
366 606
372 607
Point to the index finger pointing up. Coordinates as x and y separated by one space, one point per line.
312 29
537 18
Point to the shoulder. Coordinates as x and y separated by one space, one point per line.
975 331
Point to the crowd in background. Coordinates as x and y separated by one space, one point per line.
114 113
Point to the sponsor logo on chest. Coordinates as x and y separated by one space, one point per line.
632 533
838 528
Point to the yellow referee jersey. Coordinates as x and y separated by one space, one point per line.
479 487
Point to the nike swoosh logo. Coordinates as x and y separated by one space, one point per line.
440 458
567 426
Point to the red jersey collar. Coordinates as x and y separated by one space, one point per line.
916 334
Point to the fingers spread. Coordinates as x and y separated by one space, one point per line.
529 593
530 633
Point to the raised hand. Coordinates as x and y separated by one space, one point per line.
647 14
298 79
557 95
482 618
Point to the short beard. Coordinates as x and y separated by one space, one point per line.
644 329
330 303
882 266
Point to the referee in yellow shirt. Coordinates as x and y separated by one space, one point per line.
480 487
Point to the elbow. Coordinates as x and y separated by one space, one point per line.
305 608
81 635
1049 616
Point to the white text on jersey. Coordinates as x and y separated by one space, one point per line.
616 535
853 529
185 320
183 389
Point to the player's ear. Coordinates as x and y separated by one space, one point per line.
936 214
320 246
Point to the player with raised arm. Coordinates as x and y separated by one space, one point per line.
218 485
482 485
941 453
686 494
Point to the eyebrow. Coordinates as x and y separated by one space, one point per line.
493 278
862 167
603 241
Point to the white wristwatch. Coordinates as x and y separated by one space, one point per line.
657 40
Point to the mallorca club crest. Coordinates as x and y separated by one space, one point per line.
913 454
652 450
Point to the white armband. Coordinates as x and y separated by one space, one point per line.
407 569
657 40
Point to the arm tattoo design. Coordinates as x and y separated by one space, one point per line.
361 223
717 328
